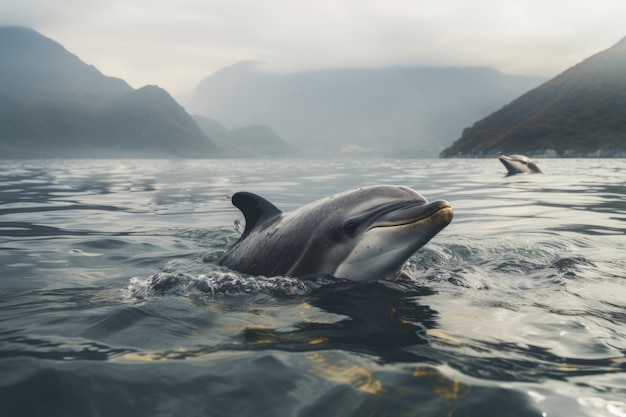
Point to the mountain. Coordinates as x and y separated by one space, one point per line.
256 141
407 111
581 112
54 105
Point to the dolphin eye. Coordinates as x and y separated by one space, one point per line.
351 227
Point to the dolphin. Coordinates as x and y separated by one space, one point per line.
359 235
519 164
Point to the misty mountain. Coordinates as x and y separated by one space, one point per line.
394 111
256 141
581 112
54 105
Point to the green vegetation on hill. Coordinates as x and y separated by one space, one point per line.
581 112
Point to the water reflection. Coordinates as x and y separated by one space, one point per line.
378 318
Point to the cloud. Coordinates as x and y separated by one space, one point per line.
175 44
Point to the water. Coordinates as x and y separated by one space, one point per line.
111 301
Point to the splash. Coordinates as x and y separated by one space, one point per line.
221 283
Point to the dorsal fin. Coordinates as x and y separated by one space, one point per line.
255 210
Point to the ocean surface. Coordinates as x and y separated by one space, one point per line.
112 302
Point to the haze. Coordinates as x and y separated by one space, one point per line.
176 44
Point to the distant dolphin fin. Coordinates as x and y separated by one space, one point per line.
405 275
255 210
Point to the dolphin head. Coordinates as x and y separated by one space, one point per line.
519 164
371 232
385 226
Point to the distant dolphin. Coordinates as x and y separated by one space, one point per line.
360 235
519 164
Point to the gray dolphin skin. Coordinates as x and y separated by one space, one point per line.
519 164
360 235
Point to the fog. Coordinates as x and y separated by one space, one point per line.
176 44
392 111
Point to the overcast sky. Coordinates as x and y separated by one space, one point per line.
175 44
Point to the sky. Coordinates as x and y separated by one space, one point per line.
175 44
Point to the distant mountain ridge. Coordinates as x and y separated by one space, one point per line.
392 111
54 105
256 141
579 113
38 65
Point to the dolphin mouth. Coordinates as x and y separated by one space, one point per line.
411 213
